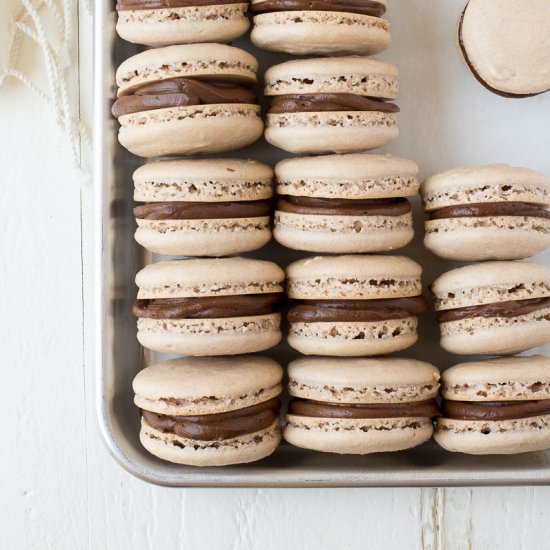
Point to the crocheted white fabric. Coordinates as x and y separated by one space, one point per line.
50 27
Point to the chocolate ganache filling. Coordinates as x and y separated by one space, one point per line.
202 210
215 427
169 4
494 410
344 207
318 311
208 307
181 92
316 409
500 309
311 103
481 210
361 7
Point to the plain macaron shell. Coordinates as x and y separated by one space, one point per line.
505 379
332 131
197 386
486 237
313 32
493 283
507 44
203 180
183 25
360 381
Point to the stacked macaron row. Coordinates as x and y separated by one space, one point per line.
495 215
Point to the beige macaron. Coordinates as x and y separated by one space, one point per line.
203 207
321 27
220 306
360 406
210 411
353 305
506 45
495 212
345 203
160 113
354 117
500 406
494 308
164 22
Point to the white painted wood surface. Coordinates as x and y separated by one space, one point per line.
58 487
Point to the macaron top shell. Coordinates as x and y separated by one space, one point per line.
354 176
348 75
207 385
342 380
356 277
203 180
503 379
491 282
205 61
209 277
491 183
508 44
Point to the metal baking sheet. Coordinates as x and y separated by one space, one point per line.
447 120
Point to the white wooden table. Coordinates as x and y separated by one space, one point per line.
59 489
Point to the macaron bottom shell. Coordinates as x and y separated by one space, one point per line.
238 450
357 436
184 25
201 337
199 129
494 437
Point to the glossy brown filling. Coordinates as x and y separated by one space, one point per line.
310 103
213 307
181 92
502 309
316 409
169 4
215 427
202 210
494 410
481 210
344 207
361 7
316 311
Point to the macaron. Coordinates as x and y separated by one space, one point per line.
345 203
210 411
495 212
164 22
203 207
360 406
334 105
506 45
353 305
306 27
220 306
500 406
494 308
187 99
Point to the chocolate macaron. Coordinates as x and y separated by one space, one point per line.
361 406
164 22
210 411
354 305
494 308
203 207
334 105
317 27
209 306
187 99
500 406
495 212
345 203
506 45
